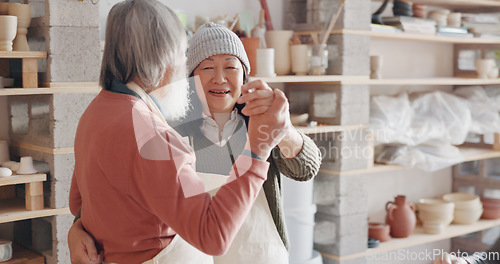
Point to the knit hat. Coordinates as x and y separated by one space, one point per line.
212 39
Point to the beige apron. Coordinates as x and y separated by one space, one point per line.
258 240
180 252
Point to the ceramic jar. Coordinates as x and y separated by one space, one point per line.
401 217
279 41
23 14
8 31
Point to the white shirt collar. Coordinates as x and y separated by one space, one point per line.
210 129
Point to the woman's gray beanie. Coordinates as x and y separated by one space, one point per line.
212 39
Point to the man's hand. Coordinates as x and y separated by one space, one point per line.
81 245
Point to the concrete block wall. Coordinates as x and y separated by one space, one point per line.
303 15
48 121
333 104
345 150
72 40
341 220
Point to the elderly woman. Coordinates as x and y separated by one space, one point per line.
134 181
216 129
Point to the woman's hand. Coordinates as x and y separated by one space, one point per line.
258 97
81 245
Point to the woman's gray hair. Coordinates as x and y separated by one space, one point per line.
144 39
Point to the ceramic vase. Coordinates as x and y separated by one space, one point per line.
300 59
23 13
251 45
484 67
279 41
8 29
401 217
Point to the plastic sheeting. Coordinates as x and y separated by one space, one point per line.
421 129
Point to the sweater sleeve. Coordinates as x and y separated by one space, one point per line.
172 191
302 167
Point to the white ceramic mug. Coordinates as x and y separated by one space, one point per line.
265 63
300 59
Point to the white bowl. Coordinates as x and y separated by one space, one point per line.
466 217
463 200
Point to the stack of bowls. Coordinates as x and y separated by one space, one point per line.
435 214
379 231
491 208
468 207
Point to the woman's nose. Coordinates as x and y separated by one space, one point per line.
219 77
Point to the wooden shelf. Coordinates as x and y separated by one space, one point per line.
328 129
23 54
428 81
334 79
33 91
311 79
21 255
485 6
14 210
410 36
19 179
419 238
470 154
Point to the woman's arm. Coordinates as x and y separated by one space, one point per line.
306 162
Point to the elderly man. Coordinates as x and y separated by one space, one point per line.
133 181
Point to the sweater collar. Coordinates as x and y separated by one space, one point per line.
121 88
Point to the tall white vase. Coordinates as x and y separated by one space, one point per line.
279 40
23 13
8 29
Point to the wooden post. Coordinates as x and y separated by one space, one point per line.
34 196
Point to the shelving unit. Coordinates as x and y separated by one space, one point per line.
483 6
23 256
29 65
19 209
332 79
12 210
419 238
54 88
469 154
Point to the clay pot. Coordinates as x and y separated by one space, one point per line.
251 45
401 217
379 231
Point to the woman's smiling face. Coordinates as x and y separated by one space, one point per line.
221 77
